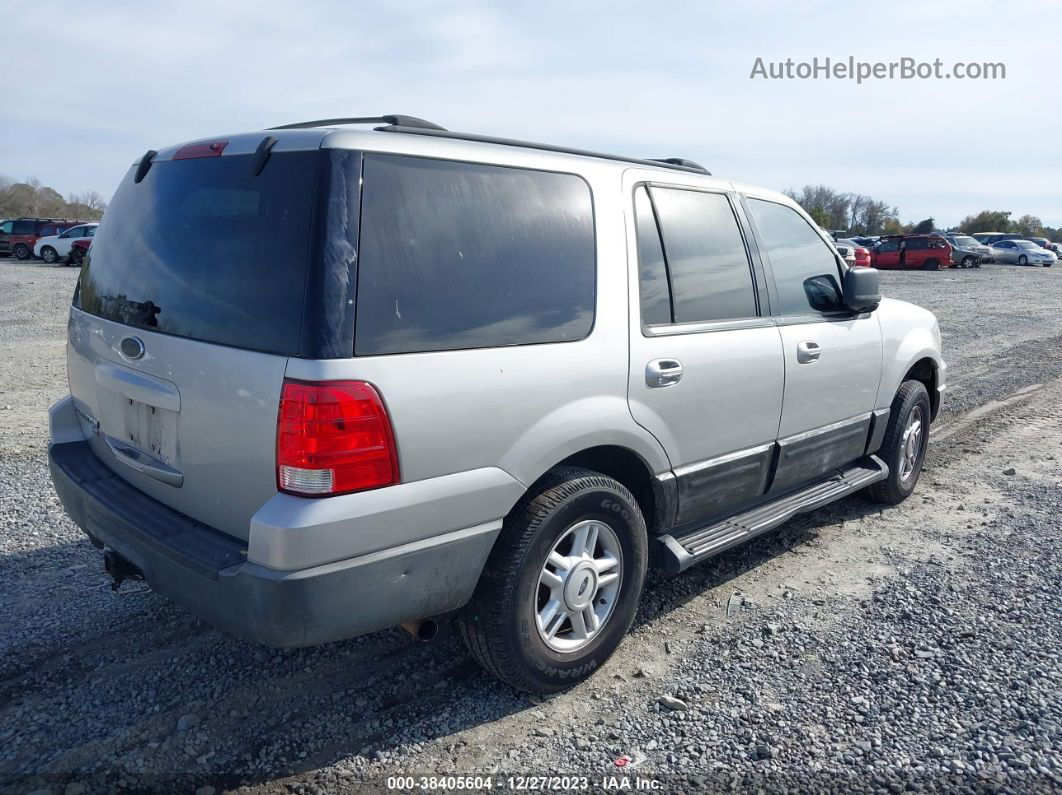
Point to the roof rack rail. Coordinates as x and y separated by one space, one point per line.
411 124
680 161
393 119
675 163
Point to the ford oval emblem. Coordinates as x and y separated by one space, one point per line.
132 348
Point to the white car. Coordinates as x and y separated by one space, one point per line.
1023 252
54 248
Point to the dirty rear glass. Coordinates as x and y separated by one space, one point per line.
205 249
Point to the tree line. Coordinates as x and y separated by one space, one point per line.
864 215
35 200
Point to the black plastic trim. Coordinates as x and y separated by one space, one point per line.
143 166
879 420
262 152
806 456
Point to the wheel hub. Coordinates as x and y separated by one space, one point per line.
578 585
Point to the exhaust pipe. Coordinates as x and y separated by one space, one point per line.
424 631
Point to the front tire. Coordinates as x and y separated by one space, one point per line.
968 262
562 584
1023 260
904 446
931 265
49 255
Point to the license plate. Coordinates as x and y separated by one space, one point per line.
152 430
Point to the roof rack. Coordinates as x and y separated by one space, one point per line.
411 124
393 119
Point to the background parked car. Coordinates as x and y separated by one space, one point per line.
912 252
56 247
967 252
78 249
860 253
868 241
1023 252
19 235
847 250
1042 242
990 238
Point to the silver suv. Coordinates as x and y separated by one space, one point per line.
328 380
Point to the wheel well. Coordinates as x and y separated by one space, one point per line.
626 467
926 372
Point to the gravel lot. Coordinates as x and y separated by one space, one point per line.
856 649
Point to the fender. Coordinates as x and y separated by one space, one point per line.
590 422
910 334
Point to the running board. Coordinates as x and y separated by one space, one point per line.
682 552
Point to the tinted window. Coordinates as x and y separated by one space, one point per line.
5 227
805 269
201 248
462 255
90 231
710 273
652 268
916 244
890 246
23 228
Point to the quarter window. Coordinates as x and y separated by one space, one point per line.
652 267
805 268
463 255
711 278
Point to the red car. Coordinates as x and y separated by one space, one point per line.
78 249
18 236
911 252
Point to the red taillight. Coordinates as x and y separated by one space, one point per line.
213 149
333 437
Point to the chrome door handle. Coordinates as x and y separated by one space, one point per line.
660 373
808 352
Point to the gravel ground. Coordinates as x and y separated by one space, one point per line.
855 649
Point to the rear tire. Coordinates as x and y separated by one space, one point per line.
21 251
904 446
49 255
931 265
968 262
521 624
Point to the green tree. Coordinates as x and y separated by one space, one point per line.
924 227
1029 225
986 221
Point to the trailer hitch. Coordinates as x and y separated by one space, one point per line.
119 568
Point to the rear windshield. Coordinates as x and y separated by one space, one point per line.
329 254
202 248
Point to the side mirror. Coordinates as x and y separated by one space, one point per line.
862 289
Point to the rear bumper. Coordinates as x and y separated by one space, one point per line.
207 571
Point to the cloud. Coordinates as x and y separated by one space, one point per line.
668 79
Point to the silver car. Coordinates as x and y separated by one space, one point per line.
327 380
1022 252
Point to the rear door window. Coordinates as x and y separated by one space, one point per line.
711 277
463 255
203 248
23 228
804 266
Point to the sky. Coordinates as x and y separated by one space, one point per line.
89 88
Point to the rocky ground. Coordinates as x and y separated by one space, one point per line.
855 649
